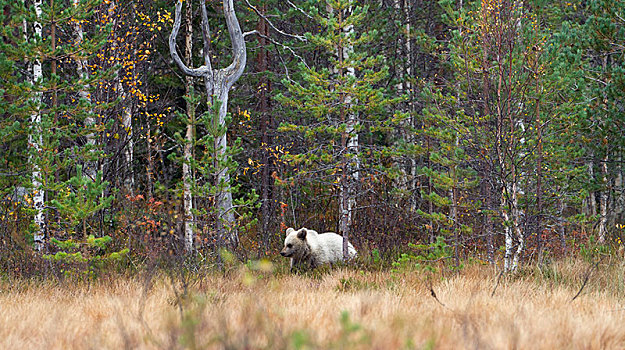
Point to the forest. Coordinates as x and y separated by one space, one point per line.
458 140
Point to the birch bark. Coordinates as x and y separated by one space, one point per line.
186 168
351 164
603 200
35 141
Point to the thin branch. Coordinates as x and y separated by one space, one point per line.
286 69
586 279
299 9
497 284
597 80
298 37
435 297
284 47
251 32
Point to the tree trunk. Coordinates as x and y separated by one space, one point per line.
617 214
349 142
150 167
592 199
603 200
225 214
189 139
562 226
35 141
488 221
430 189
129 181
511 216
539 177
453 210
516 213
264 90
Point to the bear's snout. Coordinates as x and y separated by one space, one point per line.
284 253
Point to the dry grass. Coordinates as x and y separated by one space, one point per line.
252 310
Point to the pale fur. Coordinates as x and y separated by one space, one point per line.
315 249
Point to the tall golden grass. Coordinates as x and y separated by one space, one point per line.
342 308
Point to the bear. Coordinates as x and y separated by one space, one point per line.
308 248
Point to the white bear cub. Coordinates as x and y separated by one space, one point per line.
306 247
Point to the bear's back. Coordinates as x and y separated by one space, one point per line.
331 248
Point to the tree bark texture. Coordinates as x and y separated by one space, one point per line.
35 141
603 200
264 104
187 176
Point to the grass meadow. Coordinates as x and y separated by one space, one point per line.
258 308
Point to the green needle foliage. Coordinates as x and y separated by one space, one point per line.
80 198
338 101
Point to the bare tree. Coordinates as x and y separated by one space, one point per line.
218 83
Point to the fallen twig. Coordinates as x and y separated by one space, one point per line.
497 284
435 297
586 279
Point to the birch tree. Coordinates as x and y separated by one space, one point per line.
349 137
187 176
499 38
35 138
217 83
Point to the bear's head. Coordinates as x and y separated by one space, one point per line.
294 243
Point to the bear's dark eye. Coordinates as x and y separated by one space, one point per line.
289 245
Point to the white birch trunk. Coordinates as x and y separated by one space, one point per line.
412 185
35 141
509 241
129 181
516 217
592 205
218 83
618 205
188 146
603 200
511 216
348 187
187 196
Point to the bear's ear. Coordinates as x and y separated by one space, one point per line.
289 230
302 234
